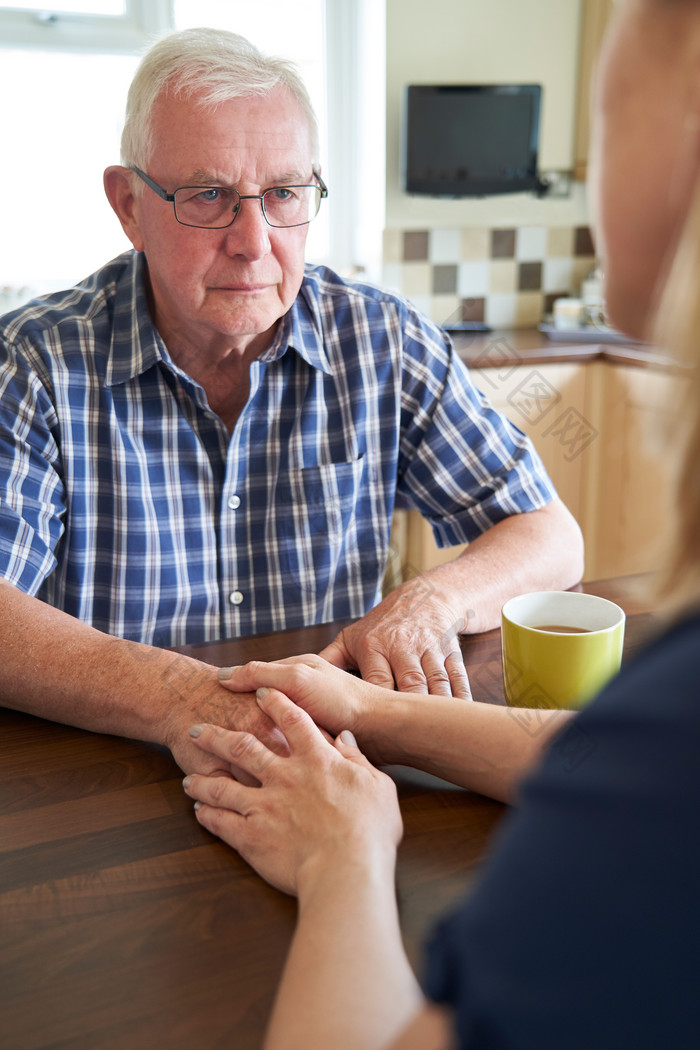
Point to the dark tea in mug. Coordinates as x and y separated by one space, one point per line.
560 628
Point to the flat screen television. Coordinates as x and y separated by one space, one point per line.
471 140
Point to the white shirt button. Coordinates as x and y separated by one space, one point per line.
234 502
235 597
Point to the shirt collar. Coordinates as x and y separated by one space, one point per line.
136 345
300 329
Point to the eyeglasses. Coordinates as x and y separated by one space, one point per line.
216 207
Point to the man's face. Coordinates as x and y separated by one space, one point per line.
215 290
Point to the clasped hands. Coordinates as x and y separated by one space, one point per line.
321 805
286 808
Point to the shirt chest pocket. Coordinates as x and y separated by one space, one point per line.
326 525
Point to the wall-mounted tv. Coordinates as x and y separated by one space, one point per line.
471 140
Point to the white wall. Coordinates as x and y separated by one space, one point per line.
485 41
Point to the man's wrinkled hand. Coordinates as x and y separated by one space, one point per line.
208 701
410 642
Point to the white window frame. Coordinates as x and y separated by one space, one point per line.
356 53
43 28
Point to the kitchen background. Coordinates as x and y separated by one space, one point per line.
501 260
592 411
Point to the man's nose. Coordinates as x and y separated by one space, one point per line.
249 234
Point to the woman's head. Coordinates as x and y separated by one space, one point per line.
645 150
645 189
214 65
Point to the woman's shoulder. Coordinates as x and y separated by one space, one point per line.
659 684
593 875
642 733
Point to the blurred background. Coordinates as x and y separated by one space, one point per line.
65 68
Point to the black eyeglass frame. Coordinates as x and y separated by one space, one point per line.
170 197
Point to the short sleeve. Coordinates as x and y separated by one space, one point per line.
31 491
465 466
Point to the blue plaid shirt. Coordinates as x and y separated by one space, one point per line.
125 502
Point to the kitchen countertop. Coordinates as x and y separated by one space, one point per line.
530 346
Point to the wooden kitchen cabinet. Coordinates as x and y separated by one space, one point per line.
630 516
596 426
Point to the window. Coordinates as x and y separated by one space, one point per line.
111 8
64 78
61 133
83 25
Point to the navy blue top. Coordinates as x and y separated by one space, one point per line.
584 930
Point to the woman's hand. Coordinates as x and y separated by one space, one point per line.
335 699
321 806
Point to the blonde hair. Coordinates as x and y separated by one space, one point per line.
677 330
214 65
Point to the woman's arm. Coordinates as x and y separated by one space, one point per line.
483 747
323 824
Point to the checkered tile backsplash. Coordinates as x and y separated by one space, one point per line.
507 278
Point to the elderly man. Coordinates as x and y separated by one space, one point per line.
205 438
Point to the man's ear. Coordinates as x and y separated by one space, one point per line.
118 187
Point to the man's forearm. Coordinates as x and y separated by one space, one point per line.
59 668
542 550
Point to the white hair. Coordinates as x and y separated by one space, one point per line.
214 65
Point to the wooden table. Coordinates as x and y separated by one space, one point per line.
125 926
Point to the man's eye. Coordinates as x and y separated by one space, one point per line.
211 195
190 195
279 194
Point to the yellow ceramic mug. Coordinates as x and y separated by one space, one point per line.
559 648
